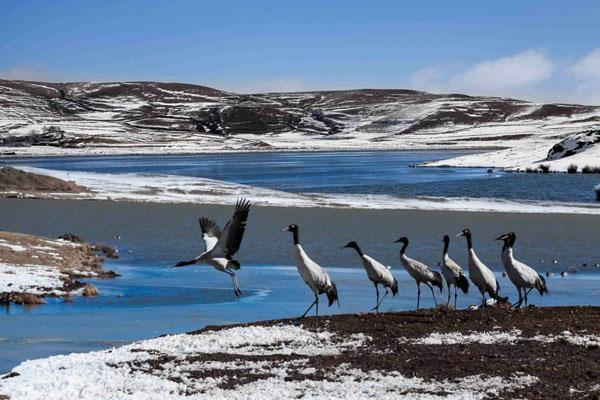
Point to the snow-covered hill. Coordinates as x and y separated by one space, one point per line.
145 117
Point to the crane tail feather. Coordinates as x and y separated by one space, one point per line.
332 294
394 287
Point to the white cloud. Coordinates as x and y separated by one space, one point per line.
586 71
493 76
427 79
587 67
512 75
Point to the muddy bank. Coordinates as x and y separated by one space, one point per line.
535 353
17 183
558 346
32 267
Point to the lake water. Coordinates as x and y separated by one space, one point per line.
151 299
370 172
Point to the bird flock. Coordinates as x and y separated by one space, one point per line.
221 247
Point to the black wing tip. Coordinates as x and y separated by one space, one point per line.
439 281
332 294
395 287
242 205
542 287
463 284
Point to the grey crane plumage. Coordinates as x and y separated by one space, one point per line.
453 273
222 246
377 273
420 272
521 275
312 273
481 276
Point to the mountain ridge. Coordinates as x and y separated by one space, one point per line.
128 117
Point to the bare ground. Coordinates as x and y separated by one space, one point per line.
17 183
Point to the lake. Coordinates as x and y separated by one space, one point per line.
151 299
356 172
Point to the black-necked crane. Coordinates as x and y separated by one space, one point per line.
453 273
521 275
377 273
312 273
420 272
221 246
481 276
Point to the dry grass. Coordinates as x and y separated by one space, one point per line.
572 169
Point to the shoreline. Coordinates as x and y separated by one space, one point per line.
177 189
35 267
491 354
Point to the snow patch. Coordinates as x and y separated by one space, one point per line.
35 279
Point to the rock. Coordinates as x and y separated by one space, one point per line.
71 238
574 144
89 290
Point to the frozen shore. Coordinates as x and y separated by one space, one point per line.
32 267
388 355
182 189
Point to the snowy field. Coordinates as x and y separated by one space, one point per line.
130 372
358 356
44 119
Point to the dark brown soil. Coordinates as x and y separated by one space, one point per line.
562 368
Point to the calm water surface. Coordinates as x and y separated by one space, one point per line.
150 299
370 172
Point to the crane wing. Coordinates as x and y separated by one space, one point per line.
231 239
210 232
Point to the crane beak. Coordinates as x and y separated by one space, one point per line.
460 234
501 237
285 230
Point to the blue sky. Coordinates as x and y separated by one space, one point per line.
540 50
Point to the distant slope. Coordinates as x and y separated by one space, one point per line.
134 117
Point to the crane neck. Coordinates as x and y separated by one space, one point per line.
296 236
358 250
469 241
446 243
403 249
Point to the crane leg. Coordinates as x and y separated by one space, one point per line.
310 307
376 308
455 295
448 302
483 302
418 294
432 293
381 300
317 305
526 292
236 289
520 301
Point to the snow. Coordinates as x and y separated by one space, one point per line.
519 136
568 337
185 189
492 337
13 247
127 372
502 337
35 279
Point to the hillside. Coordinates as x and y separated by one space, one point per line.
39 118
